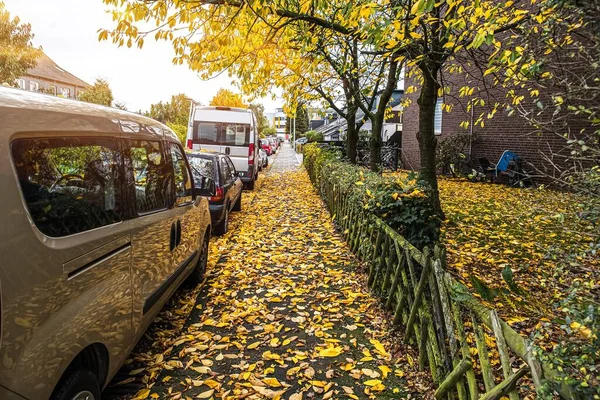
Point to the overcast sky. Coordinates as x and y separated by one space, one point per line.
67 32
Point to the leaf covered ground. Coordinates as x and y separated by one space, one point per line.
284 313
521 250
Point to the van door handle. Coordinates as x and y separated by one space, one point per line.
173 239
178 241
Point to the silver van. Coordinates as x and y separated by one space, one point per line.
101 224
228 130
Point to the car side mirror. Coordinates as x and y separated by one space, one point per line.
206 188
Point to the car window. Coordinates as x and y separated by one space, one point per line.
70 184
152 179
201 167
235 134
183 180
206 133
225 172
232 170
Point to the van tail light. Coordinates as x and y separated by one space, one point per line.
251 154
190 144
218 194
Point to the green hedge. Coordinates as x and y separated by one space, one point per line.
402 203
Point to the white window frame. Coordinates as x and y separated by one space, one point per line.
437 120
34 86
22 83
66 92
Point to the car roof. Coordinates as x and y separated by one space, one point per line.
22 111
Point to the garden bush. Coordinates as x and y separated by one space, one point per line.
402 202
313 136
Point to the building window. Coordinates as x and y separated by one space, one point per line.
437 124
22 84
34 86
65 92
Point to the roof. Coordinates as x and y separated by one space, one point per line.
22 110
49 70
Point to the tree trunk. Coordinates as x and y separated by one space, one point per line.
375 142
378 118
351 134
426 134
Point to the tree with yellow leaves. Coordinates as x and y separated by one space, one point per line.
226 98
248 38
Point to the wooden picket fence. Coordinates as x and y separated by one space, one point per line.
470 352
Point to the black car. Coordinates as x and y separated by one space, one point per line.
228 186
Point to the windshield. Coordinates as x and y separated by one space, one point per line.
201 167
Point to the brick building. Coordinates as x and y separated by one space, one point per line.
48 77
500 133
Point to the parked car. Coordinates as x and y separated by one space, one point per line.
105 224
302 140
265 144
228 130
228 186
273 143
264 160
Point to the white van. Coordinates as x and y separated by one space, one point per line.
228 130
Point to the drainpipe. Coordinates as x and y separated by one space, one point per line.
471 134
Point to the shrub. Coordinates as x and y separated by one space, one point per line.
401 202
313 136
451 157
576 356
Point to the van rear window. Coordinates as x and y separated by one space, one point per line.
221 133
207 133
70 184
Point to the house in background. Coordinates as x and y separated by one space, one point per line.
334 127
278 120
49 78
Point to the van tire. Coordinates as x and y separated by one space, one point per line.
81 380
238 204
250 185
223 226
197 275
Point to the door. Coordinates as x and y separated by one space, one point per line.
206 136
225 175
187 218
237 184
236 144
66 280
152 231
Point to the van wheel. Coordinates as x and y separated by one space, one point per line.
238 204
80 385
223 227
250 185
197 274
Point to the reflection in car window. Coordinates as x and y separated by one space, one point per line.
183 182
201 167
151 176
225 173
70 184
232 170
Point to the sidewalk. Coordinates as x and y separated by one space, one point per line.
285 312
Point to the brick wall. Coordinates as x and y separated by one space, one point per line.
502 132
